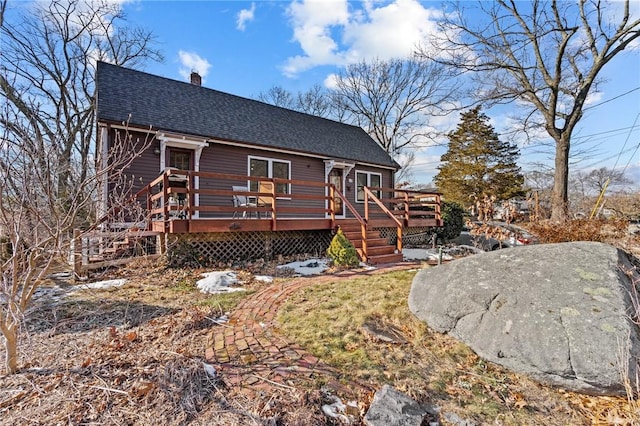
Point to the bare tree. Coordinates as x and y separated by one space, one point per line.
47 130
600 179
278 96
544 55
315 101
393 101
48 61
3 7
36 226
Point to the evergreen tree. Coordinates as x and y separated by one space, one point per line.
478 164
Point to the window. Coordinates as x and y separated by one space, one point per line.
180 159
370 179
270 168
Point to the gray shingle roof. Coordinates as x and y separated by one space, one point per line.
175 106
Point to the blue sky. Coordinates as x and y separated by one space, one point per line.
247 47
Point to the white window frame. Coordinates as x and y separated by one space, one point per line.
270 162
369 174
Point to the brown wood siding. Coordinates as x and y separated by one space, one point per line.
229 159
221 158
144 168
351 186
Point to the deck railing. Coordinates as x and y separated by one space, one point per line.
173 195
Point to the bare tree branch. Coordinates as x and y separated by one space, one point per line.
48 182
393 101
545 55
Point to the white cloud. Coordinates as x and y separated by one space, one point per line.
191 61
330 33
593 97
313 22
330 82
633 172
244 16
391 31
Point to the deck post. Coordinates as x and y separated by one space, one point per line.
77 254
332 205
161 243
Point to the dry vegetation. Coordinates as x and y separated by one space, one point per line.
611 231
134 355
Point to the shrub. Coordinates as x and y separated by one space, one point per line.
602 230
452 219
342 252
185 255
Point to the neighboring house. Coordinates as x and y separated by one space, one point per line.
215 158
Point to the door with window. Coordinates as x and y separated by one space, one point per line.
179 159
336 177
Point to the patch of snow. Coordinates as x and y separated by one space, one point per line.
210 369
102 284
424 254
308 267
336 410
53 293
263 278
61 276
366 267
218 282
220 320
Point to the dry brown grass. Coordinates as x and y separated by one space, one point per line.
133 355
602 230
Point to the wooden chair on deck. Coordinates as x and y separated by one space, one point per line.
265 200
241 202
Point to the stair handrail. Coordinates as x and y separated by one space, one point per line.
359 218
368 194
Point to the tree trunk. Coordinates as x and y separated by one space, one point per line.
560 194
11 347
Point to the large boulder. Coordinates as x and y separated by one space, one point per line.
561 313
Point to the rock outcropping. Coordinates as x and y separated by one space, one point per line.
562 313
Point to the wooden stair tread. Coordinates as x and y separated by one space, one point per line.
385 258
380 250
371 242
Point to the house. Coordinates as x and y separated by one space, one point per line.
239 178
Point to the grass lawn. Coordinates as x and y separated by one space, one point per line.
327 319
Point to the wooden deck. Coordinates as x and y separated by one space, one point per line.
180 226
188 202
307 205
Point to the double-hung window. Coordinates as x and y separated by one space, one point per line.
270 168
370 179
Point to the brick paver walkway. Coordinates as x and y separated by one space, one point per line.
249 351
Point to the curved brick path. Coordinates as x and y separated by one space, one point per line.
249 351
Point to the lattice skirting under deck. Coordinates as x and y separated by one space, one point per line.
208 248
414 236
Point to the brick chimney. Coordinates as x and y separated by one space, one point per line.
196 79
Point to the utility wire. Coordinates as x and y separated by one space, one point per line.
634 152
612 99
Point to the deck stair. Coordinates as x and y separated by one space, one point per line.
106 247
373 249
